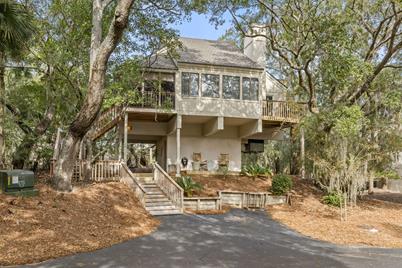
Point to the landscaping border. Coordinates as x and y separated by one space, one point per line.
234 199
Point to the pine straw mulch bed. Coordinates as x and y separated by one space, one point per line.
211 184
372 223
57 224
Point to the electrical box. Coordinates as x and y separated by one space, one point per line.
18 182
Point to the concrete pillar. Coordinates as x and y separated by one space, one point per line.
178 157
125 152
302 154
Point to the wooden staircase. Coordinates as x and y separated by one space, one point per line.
156 201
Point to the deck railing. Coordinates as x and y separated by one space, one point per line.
102 170
107 120
283 111
172 190
128 178
156 100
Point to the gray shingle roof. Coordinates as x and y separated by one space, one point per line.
201 51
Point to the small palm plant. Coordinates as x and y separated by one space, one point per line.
189 185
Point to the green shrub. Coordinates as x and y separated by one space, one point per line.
254 170
333 199
189 185
388 174
281 184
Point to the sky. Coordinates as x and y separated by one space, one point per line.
200 27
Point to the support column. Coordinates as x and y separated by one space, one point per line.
120 137
125 137
302 154
178 157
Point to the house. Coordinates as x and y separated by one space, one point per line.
212 101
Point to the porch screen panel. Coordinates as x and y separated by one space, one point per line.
210 85
231 87
189 84
250 88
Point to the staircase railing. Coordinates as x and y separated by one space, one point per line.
173 191
128 178
106 120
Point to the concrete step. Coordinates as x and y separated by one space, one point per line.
153 192
166 207
154 196
157 199
165 212
158 204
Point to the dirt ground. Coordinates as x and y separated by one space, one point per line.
373 222
211 184
56 224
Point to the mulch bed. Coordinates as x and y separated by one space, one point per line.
56 224
211 184
372 222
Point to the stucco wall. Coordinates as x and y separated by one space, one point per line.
210 149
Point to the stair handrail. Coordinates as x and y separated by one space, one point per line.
169 186
140 192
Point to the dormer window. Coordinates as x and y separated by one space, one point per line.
189 84
231 87
250 88
210 85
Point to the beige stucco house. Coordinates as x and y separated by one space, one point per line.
213 101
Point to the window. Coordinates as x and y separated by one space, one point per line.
231 87
151 85
167 86
189 84
210 85
269 97
250 88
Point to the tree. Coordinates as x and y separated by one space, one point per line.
15 29
100 51
344 58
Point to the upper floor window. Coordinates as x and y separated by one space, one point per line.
189 84
231 87
210 85
250 88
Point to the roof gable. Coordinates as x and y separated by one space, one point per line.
201 51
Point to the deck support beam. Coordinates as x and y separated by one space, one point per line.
125 130
251 128
178 155
174 124
213 126
302 154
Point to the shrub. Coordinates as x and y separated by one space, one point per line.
254 170
189 185
281 184
333 199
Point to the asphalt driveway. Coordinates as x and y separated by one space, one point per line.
239 238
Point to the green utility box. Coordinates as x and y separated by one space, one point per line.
18 182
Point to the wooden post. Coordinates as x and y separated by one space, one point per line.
178 169
120 133
302 153
125 137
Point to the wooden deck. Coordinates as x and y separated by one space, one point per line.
283 111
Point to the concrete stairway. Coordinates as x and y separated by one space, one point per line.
156 201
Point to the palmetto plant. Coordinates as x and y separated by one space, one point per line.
254 170
189 185
16 28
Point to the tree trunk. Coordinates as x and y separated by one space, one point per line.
2 114
92 104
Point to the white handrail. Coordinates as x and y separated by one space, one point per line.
139 190
168 177
172 190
